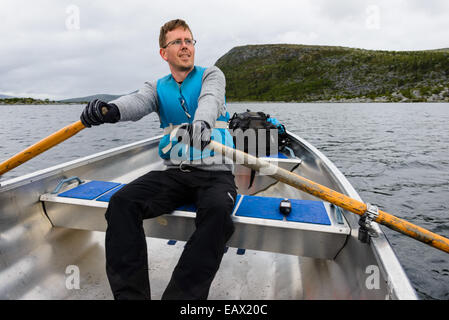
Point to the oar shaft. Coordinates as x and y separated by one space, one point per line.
41 146
414 231
332 196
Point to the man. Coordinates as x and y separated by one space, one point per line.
191 108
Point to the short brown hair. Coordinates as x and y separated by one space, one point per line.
169 26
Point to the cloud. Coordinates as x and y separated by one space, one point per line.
343 10
71 48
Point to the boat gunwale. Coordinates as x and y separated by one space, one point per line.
43 173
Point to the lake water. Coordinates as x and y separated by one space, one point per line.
395 155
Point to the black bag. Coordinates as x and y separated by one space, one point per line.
275 134
257 121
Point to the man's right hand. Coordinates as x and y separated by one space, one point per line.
196 134
98 112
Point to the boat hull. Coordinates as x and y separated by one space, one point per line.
41 260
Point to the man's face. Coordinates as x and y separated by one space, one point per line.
179 57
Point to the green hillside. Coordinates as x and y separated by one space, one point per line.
283 72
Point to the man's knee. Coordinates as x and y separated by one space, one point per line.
121 206
218 214
116 199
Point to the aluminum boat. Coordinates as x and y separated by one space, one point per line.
52 233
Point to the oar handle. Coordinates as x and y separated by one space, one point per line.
331 196
41 146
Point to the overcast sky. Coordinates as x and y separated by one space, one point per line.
62 49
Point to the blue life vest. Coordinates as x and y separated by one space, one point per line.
177 106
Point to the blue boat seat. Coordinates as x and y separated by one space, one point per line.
311 229
91 190
306 211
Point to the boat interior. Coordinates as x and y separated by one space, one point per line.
52 233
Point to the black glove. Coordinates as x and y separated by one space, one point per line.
98 112
196 135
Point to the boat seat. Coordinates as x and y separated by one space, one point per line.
313 228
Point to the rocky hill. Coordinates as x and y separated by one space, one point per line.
283 72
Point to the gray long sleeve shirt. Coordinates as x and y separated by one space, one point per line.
211 105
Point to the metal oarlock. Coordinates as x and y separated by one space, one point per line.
365 222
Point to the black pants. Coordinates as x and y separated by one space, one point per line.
161 192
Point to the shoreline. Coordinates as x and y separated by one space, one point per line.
380 99
40 103
354 100
332 100
253 101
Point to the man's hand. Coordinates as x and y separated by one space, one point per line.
98 112
196 134
201 134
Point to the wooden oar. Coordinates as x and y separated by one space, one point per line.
41 146
276 172
332 196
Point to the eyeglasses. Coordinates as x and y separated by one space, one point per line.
178 42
